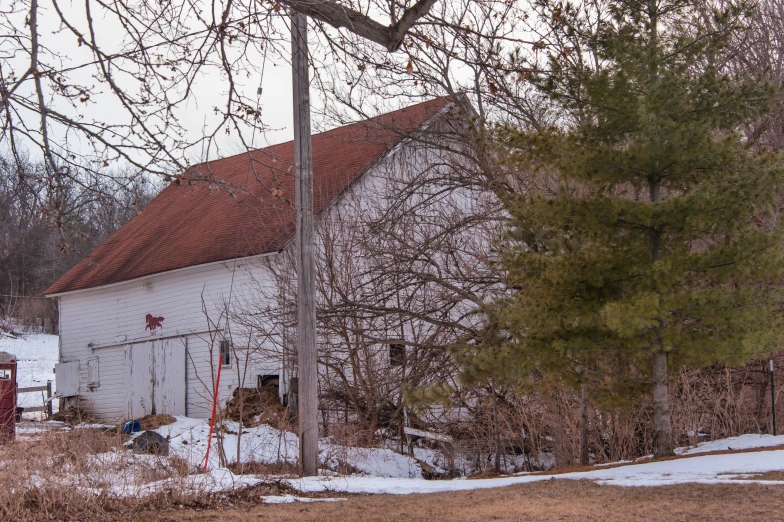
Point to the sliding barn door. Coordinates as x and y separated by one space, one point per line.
155 378
138 380
169 387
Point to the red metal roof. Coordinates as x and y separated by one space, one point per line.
238 206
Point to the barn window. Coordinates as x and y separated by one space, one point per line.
397 353
225 353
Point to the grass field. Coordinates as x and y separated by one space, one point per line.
555 500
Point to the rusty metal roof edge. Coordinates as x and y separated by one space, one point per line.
163 272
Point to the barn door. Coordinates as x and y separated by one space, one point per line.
169 373
138 380
155 378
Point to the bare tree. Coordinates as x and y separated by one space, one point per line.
404 266
33 253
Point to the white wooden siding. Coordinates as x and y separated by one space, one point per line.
155 378
138 380
102 322
169 376
110 395
202 371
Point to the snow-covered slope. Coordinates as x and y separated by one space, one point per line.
264 444
742 442
384 471
737 468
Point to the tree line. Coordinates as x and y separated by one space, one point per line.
37 247
639 165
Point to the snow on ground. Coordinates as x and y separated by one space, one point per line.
741 442
380 470
264 444
188 440
123 473
121 485
384 471
288 499
708 469
36 355
376 462
28 431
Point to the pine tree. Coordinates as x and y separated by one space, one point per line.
662 246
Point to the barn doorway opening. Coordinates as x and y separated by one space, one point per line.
259 405
271 380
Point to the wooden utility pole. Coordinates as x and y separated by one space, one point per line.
391 37
306 288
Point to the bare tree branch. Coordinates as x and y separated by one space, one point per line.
338 15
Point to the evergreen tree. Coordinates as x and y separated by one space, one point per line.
662 247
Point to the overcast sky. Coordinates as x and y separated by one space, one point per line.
209 91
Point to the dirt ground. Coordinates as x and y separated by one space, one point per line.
554 500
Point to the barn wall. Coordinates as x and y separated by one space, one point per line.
435 198
102 322
191 300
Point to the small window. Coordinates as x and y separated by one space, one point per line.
225 353
93 377
397 354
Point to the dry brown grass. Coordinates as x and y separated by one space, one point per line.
767 475
152 422
555 500
85 474
262 468
71 416
576 469
543 420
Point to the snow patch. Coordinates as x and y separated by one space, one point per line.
267 445
709 469
289 499
188 439
742 442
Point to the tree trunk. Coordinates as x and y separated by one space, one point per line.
662 439
584 456
241 397
662 436
762 396
662 423
496 431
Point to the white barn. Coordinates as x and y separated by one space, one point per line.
144 318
